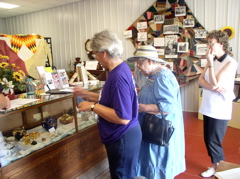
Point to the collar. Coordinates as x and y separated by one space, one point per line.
221 58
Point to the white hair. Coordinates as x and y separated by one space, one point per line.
108 41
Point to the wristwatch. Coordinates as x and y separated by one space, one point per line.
92 106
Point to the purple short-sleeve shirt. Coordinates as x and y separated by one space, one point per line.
119 92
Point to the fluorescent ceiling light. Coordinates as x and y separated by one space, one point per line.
7 6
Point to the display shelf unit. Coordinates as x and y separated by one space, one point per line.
27 110
68 157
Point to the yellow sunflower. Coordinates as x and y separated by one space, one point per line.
20 71
4 57
229 30
11 77
14 65
17 76
4 65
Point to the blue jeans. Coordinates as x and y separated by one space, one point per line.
123 154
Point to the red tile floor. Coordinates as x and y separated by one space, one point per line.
197 159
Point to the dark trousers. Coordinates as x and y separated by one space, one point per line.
123 154
214 132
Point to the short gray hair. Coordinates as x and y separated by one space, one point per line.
108 41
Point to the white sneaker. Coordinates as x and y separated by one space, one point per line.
209 172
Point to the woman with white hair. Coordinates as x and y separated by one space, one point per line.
116 106
161 90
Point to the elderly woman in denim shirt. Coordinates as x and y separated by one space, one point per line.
161 88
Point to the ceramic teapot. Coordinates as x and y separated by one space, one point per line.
49 123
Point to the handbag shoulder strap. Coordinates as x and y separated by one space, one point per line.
158 104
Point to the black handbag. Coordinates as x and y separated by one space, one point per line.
156 130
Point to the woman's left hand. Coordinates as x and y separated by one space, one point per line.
220 90
85 106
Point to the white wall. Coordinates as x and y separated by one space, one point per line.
1 26
71 25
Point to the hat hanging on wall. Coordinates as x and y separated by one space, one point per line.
229 30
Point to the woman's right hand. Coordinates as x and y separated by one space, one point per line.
210 56
79 91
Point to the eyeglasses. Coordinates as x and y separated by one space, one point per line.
140 62
211 43
94 54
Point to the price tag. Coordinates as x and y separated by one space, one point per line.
51 130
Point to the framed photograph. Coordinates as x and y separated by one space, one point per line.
183 47
201 49
188 22
142 36
200 33
171 46
158 42
170 39
63 78
49 80
170 29
82 75
141 25
127 34
180 11
158 19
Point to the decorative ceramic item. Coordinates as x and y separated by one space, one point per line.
65 119
34 135
26 139
70 111
49 123
19 132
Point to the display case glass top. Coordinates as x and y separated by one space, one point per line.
36 125
21 104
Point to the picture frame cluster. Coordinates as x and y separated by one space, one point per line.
176 34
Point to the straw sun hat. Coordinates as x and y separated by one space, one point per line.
146 51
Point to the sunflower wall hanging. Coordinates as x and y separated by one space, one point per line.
229 30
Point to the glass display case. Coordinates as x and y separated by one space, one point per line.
32 124
40 141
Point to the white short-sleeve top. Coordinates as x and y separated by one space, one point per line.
214 104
